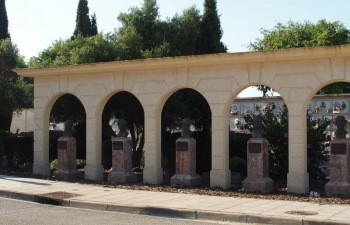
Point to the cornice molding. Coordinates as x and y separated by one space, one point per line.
297 54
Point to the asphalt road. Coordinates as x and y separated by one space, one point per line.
17 212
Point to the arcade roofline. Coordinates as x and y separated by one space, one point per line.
296 54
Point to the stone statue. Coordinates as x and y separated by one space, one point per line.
186 125
257 127
68 129
122 124
340 122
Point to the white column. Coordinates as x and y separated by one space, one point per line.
93 169
298 177
152 172
41 165
220 175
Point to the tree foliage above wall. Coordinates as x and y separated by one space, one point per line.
298 35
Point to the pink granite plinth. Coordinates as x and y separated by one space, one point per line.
263 185
185 180
66 157
258 167
122 161
185 163
334 188
339 183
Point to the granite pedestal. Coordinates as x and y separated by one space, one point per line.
258 179
339 183
66 157
122 161
185 163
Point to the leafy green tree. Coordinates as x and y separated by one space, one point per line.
16 92
142 34
183 32
4 33
79 50
68 107
84 26
317 141
275 128
297 35
335 88
186 103
210 31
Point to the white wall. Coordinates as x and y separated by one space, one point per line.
23 121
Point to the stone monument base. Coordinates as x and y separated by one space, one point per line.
339 183
263 185
122 178
67 174
66 157
334 188
186 180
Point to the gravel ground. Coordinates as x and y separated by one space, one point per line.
234 191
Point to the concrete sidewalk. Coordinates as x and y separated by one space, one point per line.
172 204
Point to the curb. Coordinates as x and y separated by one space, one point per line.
166 212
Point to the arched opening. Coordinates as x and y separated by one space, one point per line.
249 103
330 102
186 103
123 105
67 107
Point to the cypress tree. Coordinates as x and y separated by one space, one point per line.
83 23
210 30
94 30
3 21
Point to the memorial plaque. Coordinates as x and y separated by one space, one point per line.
118 145
182 146
254 148
62 144
338 148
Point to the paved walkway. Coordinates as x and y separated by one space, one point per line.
172 204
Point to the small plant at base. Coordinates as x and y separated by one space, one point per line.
54 164
80 164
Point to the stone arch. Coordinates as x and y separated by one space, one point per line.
124 104
200 136
94 161
311 103
232 99
41 144
158 112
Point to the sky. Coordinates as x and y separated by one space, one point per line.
35 24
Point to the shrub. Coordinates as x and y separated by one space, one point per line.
275 126
54 164
238 165
17 147
80 164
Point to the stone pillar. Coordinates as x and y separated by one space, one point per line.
41 165
121 161
93 169
258 179
339 168
66 157
185 163
297 177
